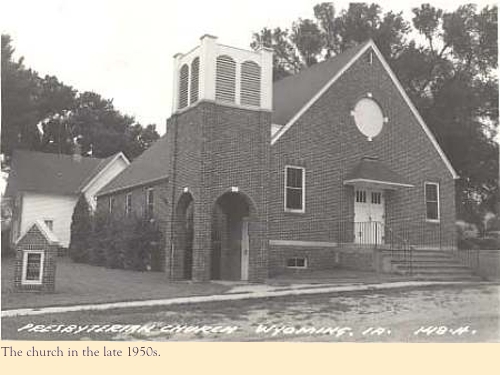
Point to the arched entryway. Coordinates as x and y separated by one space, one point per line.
230 237
184 234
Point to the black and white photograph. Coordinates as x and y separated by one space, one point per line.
235 171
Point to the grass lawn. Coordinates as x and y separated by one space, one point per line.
82 284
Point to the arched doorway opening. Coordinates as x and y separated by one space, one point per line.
184 234
230 237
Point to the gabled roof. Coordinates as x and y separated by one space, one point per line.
296 94
43 229
51 173
151 165
292 93
373 171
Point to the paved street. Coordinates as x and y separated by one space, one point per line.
460 313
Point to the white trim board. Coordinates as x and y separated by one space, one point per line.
398 85
287 126
86 185
302 243
26 254
367 181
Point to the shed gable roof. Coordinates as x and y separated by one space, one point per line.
51 173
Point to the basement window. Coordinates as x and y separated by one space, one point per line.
32 267
296 262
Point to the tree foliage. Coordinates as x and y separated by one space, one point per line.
44 114
446 62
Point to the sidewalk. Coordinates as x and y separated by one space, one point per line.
238 292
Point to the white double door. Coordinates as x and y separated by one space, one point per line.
369 216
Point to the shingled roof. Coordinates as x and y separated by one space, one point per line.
292 93
150 166
371 170
51 173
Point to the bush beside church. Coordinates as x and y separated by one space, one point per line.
132 243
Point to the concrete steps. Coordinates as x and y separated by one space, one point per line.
431 265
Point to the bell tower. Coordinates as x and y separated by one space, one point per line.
219 139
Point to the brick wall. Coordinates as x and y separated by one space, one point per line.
215 148
489 264
326 141
161 211
318 258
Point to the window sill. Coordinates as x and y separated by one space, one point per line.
294 212
31 282
430 221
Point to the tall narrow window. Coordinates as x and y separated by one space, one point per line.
195 73
294 189
149 203
432 201
111 204
128 204
250 84
183 86
225 81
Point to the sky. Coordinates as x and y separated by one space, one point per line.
123 49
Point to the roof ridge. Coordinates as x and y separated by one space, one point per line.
324 62
19 150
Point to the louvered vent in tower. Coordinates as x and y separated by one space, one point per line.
195 73
225 81
250 83
183 86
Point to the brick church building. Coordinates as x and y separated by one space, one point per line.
325 168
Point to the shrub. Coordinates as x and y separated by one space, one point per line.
98 240
483 243
128 243
81 230
6 248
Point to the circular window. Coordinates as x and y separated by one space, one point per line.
368 117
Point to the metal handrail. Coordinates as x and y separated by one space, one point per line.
367 234
406 247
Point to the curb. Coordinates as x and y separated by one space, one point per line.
230 297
